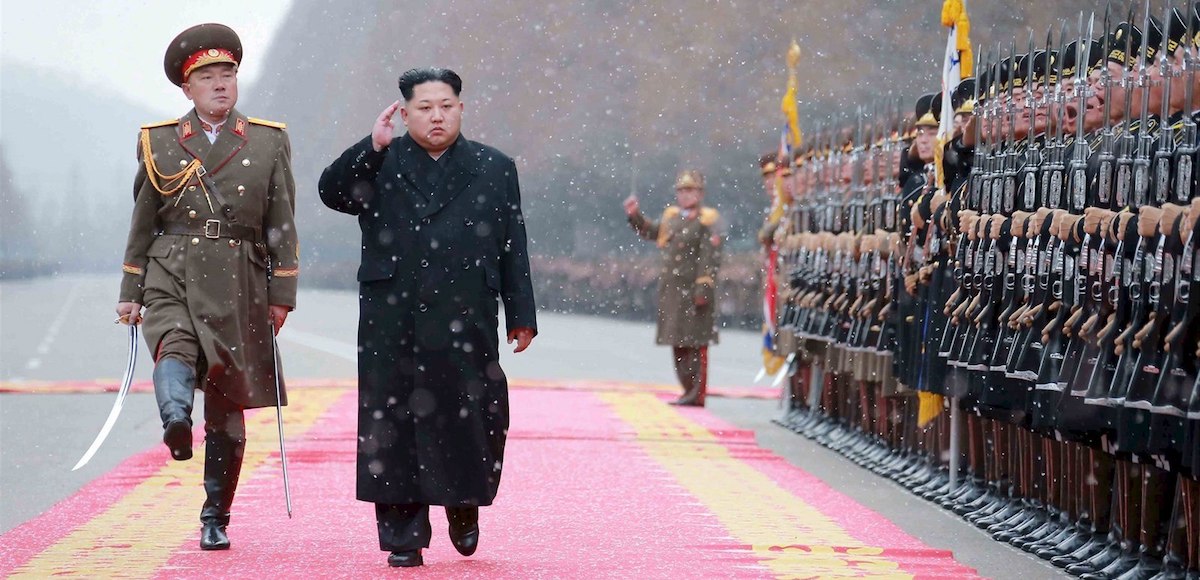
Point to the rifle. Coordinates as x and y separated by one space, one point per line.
1127 145
1139 271
1026 356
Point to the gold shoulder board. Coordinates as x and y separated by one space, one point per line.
670 212
267 123
161 124
709 216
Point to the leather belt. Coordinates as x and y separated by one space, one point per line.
214 229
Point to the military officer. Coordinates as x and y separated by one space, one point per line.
212 254
689 235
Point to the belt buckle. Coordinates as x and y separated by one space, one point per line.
212 229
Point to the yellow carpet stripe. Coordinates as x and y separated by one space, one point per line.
722 483
161 513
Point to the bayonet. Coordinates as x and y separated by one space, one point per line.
1053 182
1010 150
1079 156
1106 157
1162 156
1187 144
1127 145
1145 141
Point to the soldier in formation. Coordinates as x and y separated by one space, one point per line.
1032 267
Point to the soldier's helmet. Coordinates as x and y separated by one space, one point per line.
200 46
769 163
689 178
924 111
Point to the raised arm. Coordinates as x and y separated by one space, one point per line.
348 185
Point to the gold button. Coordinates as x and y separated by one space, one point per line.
195 241
245 163
192 188
192 214
241 189
183 162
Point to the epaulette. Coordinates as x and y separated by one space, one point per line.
709 216
161 124
266 123
664 234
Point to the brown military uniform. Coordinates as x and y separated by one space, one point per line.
205 277
691 250
212 246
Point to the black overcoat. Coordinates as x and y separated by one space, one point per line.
433 401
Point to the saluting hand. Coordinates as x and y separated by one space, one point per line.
631 205
382 132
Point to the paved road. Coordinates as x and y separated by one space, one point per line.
61 329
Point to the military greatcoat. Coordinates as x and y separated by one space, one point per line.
442 241
691 256
207 273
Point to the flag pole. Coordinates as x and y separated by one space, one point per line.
955 412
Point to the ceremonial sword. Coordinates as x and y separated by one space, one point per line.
130 363
287 490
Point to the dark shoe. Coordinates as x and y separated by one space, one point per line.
213 537
465 541
464 529
406 559
178 437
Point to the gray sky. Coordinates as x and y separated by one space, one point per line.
119 44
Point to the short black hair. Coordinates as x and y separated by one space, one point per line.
429 74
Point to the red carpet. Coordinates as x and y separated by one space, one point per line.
600 483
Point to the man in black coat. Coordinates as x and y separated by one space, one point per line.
442 237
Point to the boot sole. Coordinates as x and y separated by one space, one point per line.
178 437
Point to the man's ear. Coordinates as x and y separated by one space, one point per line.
404 114
187 91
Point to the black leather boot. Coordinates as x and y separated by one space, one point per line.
1173 568
1149 564
222 465
1110 552
691 398
1095 544
174 389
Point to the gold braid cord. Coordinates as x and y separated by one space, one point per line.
167 185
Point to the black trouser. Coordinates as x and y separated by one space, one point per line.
405 526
